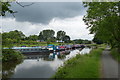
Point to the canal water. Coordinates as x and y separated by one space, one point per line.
40 65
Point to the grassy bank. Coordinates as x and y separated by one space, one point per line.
115 54
81 66
34 43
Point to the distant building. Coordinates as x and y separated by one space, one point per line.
40 41
59 41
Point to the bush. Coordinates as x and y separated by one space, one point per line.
114 52
11 55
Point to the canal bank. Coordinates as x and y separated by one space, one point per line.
39 65
81 66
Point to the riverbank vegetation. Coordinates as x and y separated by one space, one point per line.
9 55
104 23
17 38
82 66
8 68
115 54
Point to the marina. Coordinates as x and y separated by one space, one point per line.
42 65
46 49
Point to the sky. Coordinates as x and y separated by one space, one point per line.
66 16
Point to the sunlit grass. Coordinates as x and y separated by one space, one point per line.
81 66
30 44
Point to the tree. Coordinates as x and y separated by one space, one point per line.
18 35
66 39
78 41
32 37
81 41
60 35
5 7
46 34
9 38
97 41
40 37
103 20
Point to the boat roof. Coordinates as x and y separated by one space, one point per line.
26 47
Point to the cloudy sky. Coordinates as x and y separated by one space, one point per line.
66 16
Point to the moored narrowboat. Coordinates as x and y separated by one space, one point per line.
62 48
30 49
51 47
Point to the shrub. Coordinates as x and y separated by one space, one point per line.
11 55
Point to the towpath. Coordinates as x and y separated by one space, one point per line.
109 65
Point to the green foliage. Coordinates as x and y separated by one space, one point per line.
8 68
114 52
32 38
60 35
66 39
9 55
81 66
80 41
7 43
5 7
17 38
103 20
18 35
97 41
12 37
46 34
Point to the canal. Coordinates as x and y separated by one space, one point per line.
40 65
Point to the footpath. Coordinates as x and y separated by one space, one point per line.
110 67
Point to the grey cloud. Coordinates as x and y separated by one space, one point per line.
43 12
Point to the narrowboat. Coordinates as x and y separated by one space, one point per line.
62 48
30 49
57 48
51 47
68 47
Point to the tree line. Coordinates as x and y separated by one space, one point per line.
47 36
44 36
103 20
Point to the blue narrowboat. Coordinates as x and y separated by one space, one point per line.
51 47
30 49
68 47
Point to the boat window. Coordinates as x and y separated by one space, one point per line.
35 49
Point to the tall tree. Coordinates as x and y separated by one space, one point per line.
32 37
46 34
66 39
103 20
60 35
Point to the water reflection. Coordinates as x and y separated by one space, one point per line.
40 65
50 56
86 50
8 68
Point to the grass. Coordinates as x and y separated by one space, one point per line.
115 54
30 44
81 66
91 44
